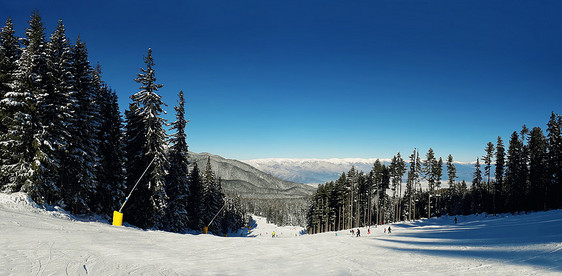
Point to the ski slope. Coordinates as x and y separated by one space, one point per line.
48 241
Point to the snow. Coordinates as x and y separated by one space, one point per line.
48 241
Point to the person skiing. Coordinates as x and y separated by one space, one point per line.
273 234
369 231
389 230
358 232
455 220
385 230
352 232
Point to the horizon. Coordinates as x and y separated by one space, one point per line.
329 80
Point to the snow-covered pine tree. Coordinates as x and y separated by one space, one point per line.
9 55
23 121
110 171
54 106
235 216
194 206
146 139
177 179
78 180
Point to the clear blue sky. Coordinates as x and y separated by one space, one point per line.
321 79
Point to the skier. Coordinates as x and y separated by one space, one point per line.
389 230
352 232
455 220
385 230
273 234
358 232
369 231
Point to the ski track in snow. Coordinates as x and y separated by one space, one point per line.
39 241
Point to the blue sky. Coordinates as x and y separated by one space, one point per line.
323 79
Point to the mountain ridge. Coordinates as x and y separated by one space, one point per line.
247 181
319 171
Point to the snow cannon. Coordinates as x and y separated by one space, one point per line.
117 218
117 215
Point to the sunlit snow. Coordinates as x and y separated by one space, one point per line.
39 241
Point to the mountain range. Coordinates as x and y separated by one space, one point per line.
318 171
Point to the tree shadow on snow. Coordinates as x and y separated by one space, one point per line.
511 239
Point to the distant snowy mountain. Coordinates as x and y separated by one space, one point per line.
317 171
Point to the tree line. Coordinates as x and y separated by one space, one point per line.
64 142
526 177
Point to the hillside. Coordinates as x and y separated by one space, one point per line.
248 181
48 241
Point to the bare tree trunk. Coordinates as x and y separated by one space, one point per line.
429 205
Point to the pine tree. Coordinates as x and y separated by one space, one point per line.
397 168
384 185
451 171
9 56
413 179
194 206
78 180
54 106
515 174
431 169
498 195
145 148
110 173
22 120
477 188
177 180
488 162
538 169
213 199
554 188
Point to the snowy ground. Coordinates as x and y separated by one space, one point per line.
36 241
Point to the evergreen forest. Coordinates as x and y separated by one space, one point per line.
527 178
64 142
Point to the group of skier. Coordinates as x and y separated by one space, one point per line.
358 232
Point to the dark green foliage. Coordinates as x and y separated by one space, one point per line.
61 138
516 177
194 206
477 189
488 163
78 180
110 173
538 170
177 178
145 149
9 54
499 184
554 189
23 121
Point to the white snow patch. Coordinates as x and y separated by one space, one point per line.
38 241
